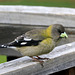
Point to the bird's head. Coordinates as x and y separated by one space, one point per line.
57 31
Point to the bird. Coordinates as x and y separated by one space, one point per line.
38 41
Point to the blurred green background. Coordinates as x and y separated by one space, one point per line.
52 3
3 58
49 3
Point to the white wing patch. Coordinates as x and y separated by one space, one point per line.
12 47
23 43
16 40
26 39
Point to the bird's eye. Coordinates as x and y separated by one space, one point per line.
60 31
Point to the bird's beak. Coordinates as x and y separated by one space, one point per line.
63 35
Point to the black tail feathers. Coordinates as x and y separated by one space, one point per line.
8 45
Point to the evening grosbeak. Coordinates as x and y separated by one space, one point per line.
38 41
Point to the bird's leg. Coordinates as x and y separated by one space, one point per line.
41 58
37 60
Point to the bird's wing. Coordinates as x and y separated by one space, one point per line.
23 41
30 38
35 34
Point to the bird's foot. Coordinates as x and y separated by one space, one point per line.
37 60
42 58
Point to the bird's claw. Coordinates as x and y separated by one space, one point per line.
42 58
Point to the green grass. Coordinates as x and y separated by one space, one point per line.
52 3
3 59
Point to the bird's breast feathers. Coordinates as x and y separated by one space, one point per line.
43 47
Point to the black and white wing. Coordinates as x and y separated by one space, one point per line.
21 41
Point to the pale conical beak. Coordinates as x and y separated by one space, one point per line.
64 35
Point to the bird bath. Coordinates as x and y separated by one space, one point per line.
16 20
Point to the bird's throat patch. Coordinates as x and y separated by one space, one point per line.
48 31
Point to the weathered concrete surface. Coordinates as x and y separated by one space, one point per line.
34 15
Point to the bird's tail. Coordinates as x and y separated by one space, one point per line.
8 45
3 46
